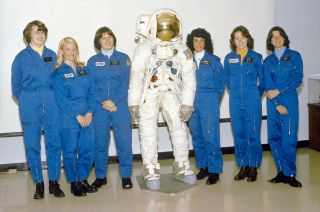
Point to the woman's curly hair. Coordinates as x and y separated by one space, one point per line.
201 33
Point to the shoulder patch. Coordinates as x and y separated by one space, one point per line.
128 62
188 54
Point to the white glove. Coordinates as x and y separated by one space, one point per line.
185 112
135 115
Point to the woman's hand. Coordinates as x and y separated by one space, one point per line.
109 105
88 118
282 110
273 93
82 121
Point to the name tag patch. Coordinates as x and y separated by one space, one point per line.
235 60
100 63
70 75
206 62
47 59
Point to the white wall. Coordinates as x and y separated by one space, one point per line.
81 18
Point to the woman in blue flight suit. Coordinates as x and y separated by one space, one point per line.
32 84
244 70
204 122
76 98
111 71
283 73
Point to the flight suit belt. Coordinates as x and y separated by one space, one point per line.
38 88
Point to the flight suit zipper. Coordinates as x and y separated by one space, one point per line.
289 126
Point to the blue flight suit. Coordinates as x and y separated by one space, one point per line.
204 122
285 75
245 105
75 95
32 84
111 76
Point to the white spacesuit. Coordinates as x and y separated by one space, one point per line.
162 79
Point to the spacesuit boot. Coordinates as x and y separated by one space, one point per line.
151 175
183 172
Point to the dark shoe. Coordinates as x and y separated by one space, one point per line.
280 178
243 173
252 174
212 179
99 182
39 193
292 181
77 190
202 173
126 183
54 188
88 188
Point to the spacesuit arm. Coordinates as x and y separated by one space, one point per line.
122 93
61 95
188 77
137 75
16 77
295 75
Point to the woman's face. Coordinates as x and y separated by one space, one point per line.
240 41
69 52
277 40
38 38
106 41
198 44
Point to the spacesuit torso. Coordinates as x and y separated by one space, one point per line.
165 68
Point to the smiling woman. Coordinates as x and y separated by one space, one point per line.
32 84
76 98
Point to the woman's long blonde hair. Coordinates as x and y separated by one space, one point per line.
60 52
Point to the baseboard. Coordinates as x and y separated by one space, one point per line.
137 157
161 124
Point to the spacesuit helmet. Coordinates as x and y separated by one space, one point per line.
168 26
163 25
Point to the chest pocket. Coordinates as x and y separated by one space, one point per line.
249 65
99 71
77 86
115 68
286 64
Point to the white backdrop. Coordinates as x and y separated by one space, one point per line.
81 18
